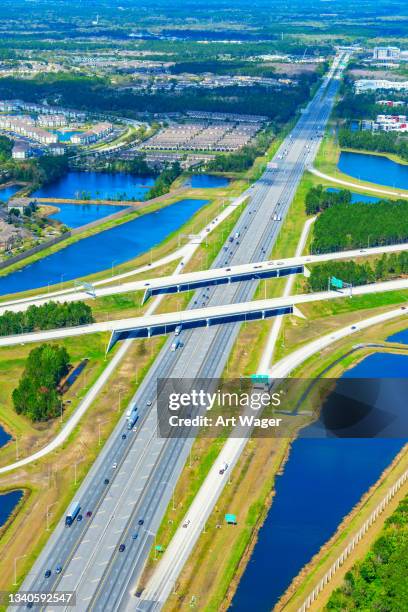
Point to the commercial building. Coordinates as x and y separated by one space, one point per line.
364 85
386 53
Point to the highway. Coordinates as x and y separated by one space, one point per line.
203 278
169 567
88 551
206 316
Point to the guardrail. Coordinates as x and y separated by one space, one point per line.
353 542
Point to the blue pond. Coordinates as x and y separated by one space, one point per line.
4 437
8 501
357 197
7 192
206 181
374 168
401 336
76 215
322 480
97 185
101 251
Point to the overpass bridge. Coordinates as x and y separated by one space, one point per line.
165 323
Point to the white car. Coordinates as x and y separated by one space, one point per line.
114 466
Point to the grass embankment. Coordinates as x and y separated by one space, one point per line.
327 159
51 479
32 436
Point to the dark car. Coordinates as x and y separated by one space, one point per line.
106 481
47 574
58 569
122 548
30 604
140 521
135 536
89 513
79 518
123 436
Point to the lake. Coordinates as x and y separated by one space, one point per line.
102 251
97 185
374 168
357 197
322 480
76 215
207 181
8 192
8 501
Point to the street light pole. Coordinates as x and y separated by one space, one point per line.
15 568
48 515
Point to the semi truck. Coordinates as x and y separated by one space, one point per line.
72 513
132 419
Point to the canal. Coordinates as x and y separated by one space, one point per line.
76 215
104 250
322 481
374 168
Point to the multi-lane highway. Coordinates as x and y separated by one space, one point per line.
128 509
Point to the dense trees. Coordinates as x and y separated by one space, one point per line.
6 146
164 181
379 581
136 166
95 94
48 316
319 198
37 394
348 226
388 266
383 142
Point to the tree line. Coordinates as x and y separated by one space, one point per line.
319 198
95 94
358 225
378 582
164 181
51 315
36 395
382 142
387 266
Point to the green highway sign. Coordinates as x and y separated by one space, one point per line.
336 282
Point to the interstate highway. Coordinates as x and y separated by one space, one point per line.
104 582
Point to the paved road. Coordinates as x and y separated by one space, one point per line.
168 569
205 276
106 582
385 192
